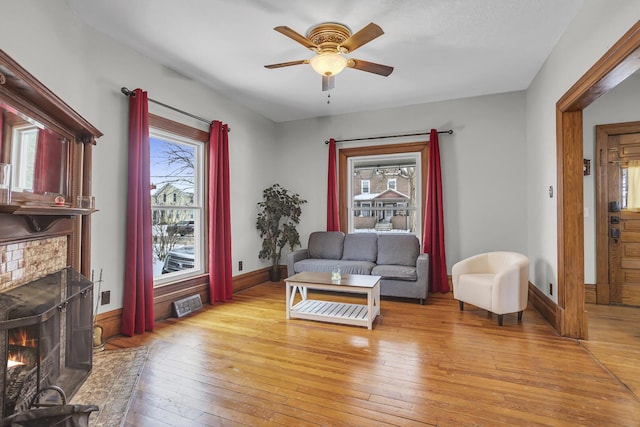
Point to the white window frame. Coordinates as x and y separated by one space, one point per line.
395 184
23 157
197 208
365 183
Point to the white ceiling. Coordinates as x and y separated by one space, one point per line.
441 49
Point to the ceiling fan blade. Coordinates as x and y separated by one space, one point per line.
287 64
296 37
370 67
328 83
362 37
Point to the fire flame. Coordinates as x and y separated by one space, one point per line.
19 337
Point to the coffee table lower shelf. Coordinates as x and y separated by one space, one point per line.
336 312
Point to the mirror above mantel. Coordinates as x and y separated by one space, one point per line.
38 156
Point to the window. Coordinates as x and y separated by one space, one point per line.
394 201
365 186
23 157
177 210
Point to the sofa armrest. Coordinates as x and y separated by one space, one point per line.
422 269
294 257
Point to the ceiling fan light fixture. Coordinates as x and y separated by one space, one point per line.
328 63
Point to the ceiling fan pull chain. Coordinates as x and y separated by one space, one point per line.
328 98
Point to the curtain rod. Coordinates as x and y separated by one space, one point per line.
128 92
450 131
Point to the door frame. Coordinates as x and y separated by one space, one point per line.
618 63
603 132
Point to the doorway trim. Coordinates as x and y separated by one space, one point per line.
618 63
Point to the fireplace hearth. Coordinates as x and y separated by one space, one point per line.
46 337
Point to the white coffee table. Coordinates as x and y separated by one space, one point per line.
329 311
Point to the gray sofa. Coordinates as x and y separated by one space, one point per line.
394 257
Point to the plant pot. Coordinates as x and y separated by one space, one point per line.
274 275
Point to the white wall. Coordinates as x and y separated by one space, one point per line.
595 29
87 70
483 165
622 104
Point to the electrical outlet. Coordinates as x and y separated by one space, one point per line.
550 288
105 297
240 265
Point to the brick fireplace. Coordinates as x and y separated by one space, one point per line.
24 262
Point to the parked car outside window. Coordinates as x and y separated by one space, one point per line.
182 228
179 259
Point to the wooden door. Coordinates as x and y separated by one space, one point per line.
619 232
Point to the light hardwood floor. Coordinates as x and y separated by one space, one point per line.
614 340
242 363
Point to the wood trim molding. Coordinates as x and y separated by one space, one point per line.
253 278
590 293
619 62
570 224
545 305
111 322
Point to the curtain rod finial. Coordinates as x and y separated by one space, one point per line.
127 92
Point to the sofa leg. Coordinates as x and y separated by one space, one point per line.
421 300
461 305
520 316
500 317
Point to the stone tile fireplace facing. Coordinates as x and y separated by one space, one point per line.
46 337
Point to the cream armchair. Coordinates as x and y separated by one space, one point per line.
494 281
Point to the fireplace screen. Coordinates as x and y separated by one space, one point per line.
45 337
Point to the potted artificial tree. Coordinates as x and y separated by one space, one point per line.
278 216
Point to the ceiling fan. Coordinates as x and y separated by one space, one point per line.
331 41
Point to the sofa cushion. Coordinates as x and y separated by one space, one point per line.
360 247
326 265
398 272
398 249
326 244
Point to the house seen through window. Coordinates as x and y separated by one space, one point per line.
384 193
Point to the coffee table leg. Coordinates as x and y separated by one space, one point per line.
287 299
370 314
373 305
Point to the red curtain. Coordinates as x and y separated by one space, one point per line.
137 310
433 234
333 216
220 285
46 175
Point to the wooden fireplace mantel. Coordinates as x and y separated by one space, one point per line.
39 218
33 214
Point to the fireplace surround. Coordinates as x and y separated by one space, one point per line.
46 337
46 300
